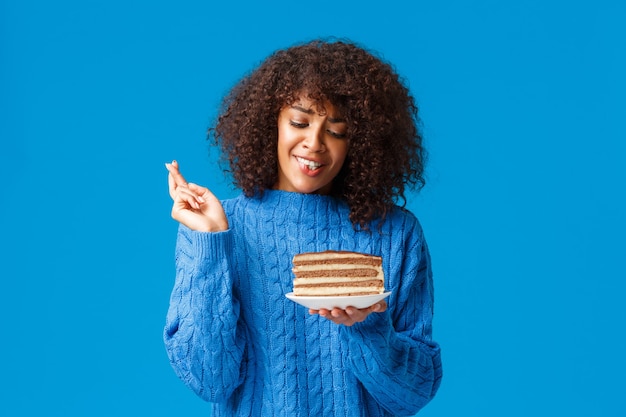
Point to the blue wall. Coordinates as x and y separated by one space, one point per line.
523 109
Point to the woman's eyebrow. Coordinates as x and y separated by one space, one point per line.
311 111
302 109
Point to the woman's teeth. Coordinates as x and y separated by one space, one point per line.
312 165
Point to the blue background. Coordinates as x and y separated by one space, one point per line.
523 105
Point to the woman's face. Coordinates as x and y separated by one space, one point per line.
312 146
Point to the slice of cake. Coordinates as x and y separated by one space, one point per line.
337 273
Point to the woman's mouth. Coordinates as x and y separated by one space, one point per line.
308 165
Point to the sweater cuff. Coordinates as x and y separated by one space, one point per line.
208 245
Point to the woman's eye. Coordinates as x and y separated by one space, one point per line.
298 124
336 134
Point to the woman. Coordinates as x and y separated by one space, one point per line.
322 140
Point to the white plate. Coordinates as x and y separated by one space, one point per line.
356 301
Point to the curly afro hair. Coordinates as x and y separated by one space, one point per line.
385 150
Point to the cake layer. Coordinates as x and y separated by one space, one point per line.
340 261
367 283
339 292
331 265
332 280
359 272
338 257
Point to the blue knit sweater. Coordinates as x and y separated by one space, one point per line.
234 339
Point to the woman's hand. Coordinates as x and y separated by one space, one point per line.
350 315
194 206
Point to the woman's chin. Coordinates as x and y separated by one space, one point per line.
305 188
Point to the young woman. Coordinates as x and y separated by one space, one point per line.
322 139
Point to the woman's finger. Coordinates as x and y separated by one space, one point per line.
350 315
174 178
189 195
171 185
175 173
199 191
178 177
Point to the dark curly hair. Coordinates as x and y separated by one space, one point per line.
385 152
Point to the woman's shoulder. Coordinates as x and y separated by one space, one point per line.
401 221
232 204
268 200
233 200
402 216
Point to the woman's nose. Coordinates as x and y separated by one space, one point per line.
314 141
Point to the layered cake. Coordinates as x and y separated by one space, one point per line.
337 273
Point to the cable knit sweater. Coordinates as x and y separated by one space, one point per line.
234 339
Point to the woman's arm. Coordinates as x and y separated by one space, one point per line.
204 338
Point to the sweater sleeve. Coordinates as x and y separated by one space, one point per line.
392 353
203 337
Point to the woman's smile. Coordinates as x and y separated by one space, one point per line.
308 166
